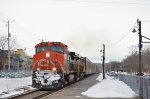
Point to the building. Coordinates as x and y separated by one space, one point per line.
15 60
18 60
3 59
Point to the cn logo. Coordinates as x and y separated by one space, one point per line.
43 62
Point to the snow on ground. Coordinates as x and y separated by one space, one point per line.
100 77
109 88
12 86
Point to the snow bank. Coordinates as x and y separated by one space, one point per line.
12 86
8 84
109 88
16 91
100 77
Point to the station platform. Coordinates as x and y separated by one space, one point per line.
74 91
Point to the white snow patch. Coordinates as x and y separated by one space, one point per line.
109 88
49 75
8 84
11 94
100 77
12 86
77 96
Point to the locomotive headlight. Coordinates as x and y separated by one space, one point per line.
54 69
47 55
38 69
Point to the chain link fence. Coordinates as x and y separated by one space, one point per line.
140 85
14 74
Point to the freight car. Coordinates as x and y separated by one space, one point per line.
55 66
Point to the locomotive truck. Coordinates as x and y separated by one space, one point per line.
54 66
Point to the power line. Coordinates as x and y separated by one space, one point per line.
123 36
114 2
117 42
145 21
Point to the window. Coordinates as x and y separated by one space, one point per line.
41 49
59 49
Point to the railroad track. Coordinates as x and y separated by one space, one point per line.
38 93
28 95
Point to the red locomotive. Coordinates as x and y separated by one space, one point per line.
54 66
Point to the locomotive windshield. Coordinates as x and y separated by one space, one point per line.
59 49
41 49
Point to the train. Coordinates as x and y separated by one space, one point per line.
54 66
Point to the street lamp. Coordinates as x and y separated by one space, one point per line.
140 44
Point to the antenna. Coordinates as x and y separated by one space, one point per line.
42 40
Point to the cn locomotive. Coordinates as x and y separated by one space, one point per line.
54 66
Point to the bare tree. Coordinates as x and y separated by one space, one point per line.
132 60
4 42
133 50
113 65
131 63
4 48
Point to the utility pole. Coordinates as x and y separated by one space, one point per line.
103 61
140 47
8 47
9 35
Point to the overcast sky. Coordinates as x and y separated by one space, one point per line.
84 25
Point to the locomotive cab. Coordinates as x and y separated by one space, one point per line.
55 47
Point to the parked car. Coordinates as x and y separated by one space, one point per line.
146 76
112 73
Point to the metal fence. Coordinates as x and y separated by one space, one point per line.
14 74
140 85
